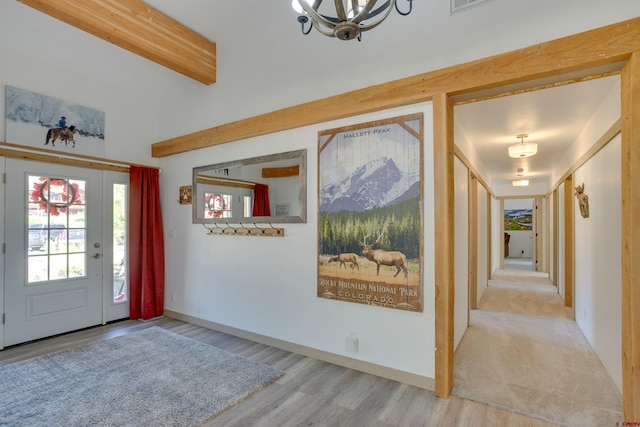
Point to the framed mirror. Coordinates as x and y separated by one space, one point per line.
265 189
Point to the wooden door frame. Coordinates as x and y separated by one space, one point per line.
473 242
538 265
630 95
502 234
444 209
444 184
547 234
556 223
489 234
568 254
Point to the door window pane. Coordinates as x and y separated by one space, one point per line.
77 265
120 288
56 231
57 267
38 268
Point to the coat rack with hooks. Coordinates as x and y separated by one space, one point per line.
241 230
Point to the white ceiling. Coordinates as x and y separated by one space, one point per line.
551 117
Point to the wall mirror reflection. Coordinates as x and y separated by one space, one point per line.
265 189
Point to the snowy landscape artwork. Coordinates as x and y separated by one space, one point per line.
44 122
370 213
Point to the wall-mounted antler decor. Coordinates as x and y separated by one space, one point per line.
583 201
185 195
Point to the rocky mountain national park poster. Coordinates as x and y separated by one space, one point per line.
370 221
43 122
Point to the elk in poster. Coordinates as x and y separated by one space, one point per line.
381 257
345 258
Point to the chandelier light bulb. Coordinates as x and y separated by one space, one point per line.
295 4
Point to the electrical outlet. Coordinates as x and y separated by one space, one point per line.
352 344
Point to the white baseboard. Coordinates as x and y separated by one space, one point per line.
347 362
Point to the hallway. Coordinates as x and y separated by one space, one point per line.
518 264
522 352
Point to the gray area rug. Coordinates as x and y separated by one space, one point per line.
523 353
149 378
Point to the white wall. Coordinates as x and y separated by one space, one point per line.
268 285
598 250
461 250
483 235
464 142
131 117
602 120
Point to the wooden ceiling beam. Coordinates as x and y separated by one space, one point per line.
606 45
140 29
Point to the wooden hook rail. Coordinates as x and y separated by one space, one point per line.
254 230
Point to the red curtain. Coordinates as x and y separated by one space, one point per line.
146 247
261 200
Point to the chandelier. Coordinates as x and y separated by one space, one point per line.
523 150
347 19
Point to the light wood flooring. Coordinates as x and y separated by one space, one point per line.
311 393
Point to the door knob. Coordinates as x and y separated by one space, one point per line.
96 255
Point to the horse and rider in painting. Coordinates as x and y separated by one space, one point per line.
62 132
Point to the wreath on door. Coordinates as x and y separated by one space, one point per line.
41 194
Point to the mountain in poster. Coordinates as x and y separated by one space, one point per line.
378 183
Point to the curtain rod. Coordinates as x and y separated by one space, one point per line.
33 153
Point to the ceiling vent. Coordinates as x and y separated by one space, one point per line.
460 5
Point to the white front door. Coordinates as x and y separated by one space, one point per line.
54 249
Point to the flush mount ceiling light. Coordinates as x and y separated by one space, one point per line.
521 181
344 19
521 150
